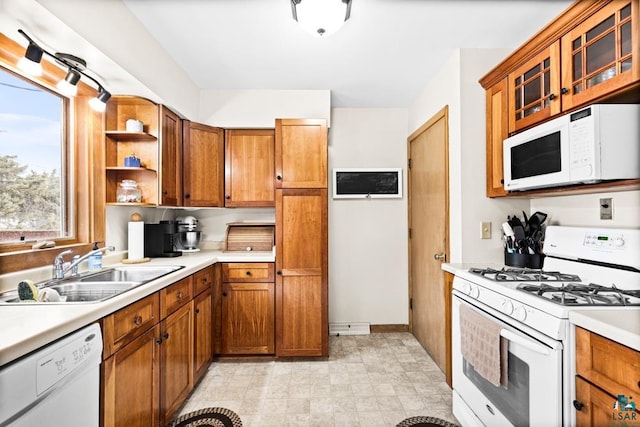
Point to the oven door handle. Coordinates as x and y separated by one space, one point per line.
531 345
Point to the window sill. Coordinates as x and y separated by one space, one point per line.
33 258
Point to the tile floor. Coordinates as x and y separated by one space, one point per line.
368 380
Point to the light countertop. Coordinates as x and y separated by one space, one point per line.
621 326
27 327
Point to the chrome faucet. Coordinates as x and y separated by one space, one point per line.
60 268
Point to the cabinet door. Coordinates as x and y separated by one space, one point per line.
202 333
600 56
203 165
249 166
497 132
176 360
301 153
171 159
534 89
131 383
596 406
301 273
247 318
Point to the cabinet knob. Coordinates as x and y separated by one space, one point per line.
248 273
197 310
165 335
564 91
180 295
279 273
279 177
552 96
224 294
137 320
165 192
187 196
578 405
158 340
227 197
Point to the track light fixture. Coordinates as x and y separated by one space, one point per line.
321 17
31 64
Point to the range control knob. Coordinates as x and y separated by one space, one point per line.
520 313
475 292
618 241
466 288
507 307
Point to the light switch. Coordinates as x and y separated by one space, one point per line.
485 230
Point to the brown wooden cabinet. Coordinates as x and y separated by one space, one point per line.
605 371
155 350
301 272
301 153
249 165
203 165
247 308
131 383
176 360
585 55
171 158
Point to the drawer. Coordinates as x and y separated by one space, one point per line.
202 280
121 327
607 364
175 296
247 272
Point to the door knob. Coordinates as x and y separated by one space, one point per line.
439 257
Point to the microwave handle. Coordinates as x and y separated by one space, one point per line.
531 345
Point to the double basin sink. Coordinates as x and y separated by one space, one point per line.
96 286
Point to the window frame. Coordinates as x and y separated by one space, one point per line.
85 161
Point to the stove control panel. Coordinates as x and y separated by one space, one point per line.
604 240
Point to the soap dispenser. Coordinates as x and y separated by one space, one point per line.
95 260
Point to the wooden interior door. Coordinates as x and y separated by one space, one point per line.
428 242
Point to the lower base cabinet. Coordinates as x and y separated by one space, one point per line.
154 351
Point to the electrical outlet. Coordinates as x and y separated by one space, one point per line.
485 230
606 208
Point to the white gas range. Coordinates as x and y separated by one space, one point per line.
585 269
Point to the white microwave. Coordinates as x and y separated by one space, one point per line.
597 143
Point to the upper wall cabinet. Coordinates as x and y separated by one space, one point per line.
301 153
587 54
203 165
171 158
249 166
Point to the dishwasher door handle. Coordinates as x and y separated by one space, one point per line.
531 345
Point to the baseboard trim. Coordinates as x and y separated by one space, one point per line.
389 328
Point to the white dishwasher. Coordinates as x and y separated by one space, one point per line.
57 385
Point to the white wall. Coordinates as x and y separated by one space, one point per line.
368 277
260 108
584 210
456 85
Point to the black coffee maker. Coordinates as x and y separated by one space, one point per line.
160 240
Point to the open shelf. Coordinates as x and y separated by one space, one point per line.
121 135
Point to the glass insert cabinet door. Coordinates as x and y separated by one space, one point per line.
534 89
603 54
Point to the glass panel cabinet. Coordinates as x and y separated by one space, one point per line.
599 54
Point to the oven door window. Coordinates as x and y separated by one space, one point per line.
512 401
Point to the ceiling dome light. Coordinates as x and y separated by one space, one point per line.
69 86
321 17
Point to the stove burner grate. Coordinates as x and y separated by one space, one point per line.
524 274
582 294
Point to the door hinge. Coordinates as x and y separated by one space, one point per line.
409 163
410 303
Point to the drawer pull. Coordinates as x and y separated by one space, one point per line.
224 294
137 320
578 405
180 295
248 273
205 280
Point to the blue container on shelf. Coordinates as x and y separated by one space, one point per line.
132 161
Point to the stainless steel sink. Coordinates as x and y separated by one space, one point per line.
96 287
130 274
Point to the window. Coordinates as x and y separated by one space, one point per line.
80 192
33 147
